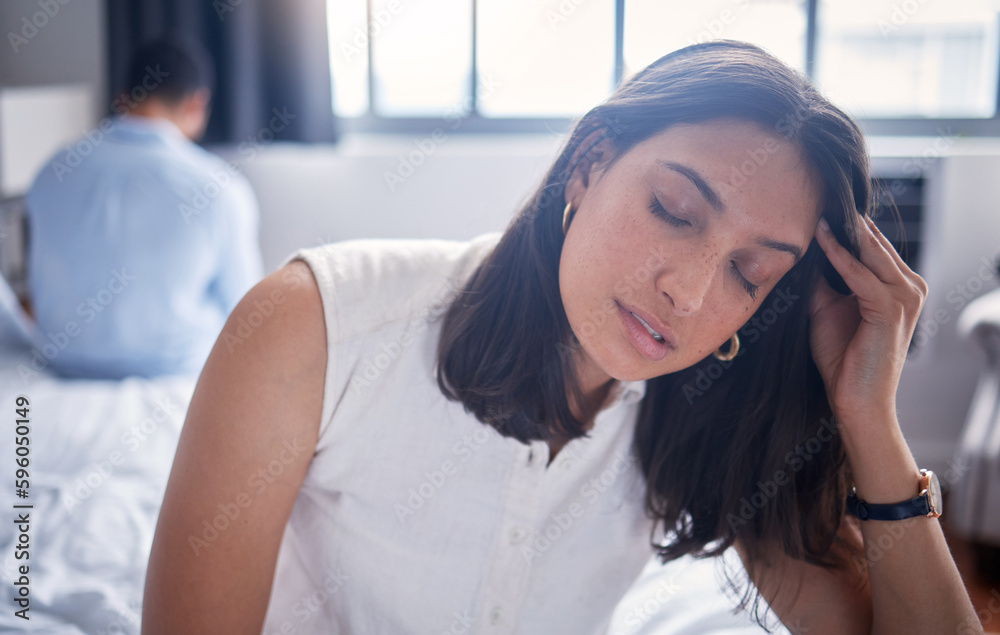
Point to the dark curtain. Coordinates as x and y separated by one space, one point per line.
271 56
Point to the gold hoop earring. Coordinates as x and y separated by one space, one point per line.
734 347
566 215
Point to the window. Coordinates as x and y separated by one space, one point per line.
654 28
899 66
909 59
543 60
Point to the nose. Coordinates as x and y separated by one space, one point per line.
687 285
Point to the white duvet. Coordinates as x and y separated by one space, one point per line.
100 455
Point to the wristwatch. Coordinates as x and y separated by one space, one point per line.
926 503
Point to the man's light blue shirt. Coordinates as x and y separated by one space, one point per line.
140 245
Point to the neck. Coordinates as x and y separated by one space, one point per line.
595 384
156 109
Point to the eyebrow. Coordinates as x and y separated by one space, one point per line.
696 179
780 246
712 198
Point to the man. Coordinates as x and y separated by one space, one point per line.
140 242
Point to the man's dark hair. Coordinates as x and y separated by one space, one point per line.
170 69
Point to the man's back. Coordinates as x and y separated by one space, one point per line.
140 244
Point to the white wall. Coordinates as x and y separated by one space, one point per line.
465 186
52 63
63 45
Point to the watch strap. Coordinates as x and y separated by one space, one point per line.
917 506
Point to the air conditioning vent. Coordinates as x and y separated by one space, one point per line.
907 194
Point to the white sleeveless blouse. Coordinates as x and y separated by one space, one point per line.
414 517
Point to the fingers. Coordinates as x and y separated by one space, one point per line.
858 277
877 277
880 256
908 273
886 244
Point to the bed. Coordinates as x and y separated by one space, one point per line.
100 454
101 451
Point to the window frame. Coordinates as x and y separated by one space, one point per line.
475 123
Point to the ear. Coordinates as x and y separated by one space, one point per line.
588 162
196 101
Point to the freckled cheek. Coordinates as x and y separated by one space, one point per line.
728 316
610 239
607 248
581 274
621 245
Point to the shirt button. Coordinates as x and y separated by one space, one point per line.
496 615
517 535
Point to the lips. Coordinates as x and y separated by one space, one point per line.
648 335
656 336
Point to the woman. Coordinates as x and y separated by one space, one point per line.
493 436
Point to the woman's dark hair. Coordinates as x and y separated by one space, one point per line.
743 449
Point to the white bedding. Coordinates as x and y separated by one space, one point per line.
101 452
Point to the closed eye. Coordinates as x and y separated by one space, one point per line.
657 209
749 286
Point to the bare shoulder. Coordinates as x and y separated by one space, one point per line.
274 343
285 305
258 400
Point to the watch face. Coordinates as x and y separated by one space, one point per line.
934 493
